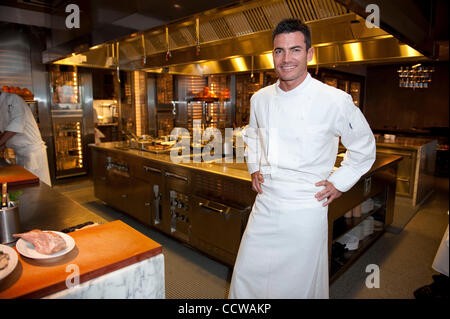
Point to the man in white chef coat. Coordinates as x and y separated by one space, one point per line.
19 131
292 142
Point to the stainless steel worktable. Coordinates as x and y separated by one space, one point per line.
45 208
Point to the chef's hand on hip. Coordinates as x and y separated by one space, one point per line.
257 180
329 192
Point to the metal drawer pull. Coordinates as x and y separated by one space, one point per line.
403 179
210 208
124 196
151 169
176 176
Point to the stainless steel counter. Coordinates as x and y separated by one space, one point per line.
406 143
416 169
45 208
233 170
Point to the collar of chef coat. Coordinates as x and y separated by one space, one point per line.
297 90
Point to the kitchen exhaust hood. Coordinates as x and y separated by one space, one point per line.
238 39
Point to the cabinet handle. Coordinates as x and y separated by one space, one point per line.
151 169
176 176
220 211
147 204
124 195
403 179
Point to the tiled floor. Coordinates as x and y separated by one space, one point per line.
404 259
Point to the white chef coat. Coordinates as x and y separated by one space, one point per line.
27 143
292 139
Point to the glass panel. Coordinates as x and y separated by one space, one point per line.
68 145
64 88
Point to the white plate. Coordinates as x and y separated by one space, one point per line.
27 249
12 263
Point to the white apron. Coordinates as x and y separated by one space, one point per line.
284 249
34 159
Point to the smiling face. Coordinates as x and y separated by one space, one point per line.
290 59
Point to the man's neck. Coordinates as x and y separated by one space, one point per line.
290 85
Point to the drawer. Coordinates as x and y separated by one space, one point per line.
150 172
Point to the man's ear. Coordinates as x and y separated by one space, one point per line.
310 54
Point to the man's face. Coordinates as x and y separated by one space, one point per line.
290 58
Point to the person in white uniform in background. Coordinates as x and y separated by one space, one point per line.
292 142
19 131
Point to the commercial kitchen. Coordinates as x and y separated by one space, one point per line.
115 96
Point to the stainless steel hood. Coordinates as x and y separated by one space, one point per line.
238 39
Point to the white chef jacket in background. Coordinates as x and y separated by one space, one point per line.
293 139
30 150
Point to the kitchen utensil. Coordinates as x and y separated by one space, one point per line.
9 224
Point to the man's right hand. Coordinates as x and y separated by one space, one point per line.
257 180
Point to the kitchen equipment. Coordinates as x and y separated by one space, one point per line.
358 232
367 206
217 228
368 226
356 211
9 223
348 214
351 242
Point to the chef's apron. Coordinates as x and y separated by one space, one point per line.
284 249
34 159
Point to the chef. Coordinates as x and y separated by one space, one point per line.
19 131
292 142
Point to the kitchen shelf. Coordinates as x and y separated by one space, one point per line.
340 265
341 228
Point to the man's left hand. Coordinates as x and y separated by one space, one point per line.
329 192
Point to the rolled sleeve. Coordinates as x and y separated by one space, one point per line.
358 138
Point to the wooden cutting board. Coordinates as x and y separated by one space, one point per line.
17 175
99 250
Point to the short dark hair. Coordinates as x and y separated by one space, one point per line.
293 25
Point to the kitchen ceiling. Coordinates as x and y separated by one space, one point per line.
238 38
233 36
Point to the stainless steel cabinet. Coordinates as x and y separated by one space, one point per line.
217 228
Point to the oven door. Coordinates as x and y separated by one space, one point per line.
217 228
